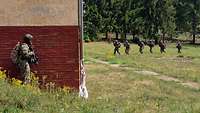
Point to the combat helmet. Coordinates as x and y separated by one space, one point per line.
28 36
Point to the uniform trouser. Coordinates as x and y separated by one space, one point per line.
25 72
116 50
162 50
179 50
127 50
151 50
141 50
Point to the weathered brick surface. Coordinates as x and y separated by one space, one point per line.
56 46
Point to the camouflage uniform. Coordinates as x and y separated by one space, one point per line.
162 47
117 45
141 45
21 56
179 46
151 45
127 47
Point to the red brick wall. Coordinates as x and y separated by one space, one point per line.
56 46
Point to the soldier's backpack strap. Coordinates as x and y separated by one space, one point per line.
19 48
15 53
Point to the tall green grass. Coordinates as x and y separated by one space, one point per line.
114 89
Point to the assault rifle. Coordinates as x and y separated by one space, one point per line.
33 59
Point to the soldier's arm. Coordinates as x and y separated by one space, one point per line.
27 55
17 47
31 53
26 52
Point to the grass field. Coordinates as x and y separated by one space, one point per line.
133 92
184 66
117 84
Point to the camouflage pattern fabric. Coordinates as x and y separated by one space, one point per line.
151 45
162 47
127 47
141 45
20 56
179 47
14 53
117 45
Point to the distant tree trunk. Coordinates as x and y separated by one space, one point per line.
133 35
156 41
171 36
106 35
193 28
194 38
117 35
125 36
194 23
163 37
108 38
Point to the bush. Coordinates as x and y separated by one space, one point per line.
2 75
89 37
86 38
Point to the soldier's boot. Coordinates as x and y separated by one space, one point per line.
27 80
127 51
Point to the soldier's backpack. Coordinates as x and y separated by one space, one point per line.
178 46
150 43
15 53
126 44
116 43
141 44
162 45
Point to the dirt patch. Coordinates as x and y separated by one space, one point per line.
166 78
191 85
147 73
115 65
99 61
179 58
144 82
182 59
104 62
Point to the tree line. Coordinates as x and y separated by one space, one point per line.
151 19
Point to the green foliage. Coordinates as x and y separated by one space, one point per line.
86 38
149 18
188 16
92 20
